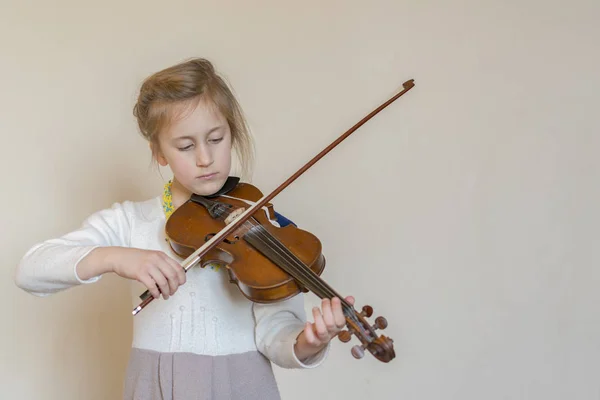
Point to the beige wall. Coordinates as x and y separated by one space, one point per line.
466 213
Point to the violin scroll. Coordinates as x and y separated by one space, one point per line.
381 347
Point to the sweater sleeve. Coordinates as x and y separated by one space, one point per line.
51 266
277 327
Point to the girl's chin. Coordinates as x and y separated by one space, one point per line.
207 188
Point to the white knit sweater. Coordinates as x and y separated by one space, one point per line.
207 315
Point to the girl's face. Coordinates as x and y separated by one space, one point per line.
197 147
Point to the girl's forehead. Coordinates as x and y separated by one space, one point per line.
198 118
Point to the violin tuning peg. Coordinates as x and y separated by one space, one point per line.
380 323
344 336
367 311
358 351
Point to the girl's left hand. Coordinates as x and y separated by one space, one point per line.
328 323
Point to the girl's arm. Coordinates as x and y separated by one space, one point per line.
53 265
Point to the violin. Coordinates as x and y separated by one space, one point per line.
268 263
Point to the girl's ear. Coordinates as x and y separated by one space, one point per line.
158 155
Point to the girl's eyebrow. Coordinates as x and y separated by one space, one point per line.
182 138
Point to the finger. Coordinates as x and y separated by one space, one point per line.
168 272
350 300
328 318
309 334
177 268
151 285
338 313
160 280
319 324
180 271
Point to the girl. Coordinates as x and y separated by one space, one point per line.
207 341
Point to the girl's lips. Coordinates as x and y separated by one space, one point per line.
207 176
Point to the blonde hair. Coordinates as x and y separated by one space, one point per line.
163 94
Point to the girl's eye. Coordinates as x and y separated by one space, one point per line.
185 148
216 140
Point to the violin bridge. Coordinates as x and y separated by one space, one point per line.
234 214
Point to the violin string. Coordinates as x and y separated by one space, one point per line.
317 282
299 267
300 270
258 231
306 276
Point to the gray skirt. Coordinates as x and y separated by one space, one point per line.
181 376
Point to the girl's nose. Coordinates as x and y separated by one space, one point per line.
203 157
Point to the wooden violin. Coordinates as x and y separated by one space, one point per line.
268 263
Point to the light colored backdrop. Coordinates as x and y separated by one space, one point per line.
466 213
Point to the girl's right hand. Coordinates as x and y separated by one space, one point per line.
154 269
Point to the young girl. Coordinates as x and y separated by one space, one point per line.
204 340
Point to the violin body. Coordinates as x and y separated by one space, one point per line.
257 276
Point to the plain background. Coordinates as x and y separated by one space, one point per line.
465 213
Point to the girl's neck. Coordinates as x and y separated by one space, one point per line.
179 194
